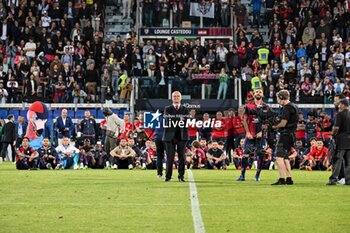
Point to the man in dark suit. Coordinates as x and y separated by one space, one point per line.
64 126
162 82
175 135
9 137
21 129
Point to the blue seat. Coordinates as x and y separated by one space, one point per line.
93 112
56 113
23 113
100 115
15 113
3 113
79 114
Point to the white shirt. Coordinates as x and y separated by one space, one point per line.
347 56
67 149
162 81
46 20
30 45
64 121
338 59
4 32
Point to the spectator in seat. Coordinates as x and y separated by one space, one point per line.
78 94
3 93
125 93
223 80
60 91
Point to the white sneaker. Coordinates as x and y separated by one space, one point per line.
76 167
341 181
1 160
59 166
81 165
130 167
48 166
143 166
108 164
115 166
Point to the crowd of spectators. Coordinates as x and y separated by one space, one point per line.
55 51
79 145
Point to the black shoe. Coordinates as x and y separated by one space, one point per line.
281 181
331 183
167 179
289 181
181 180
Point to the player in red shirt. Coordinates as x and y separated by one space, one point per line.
238 127
230 139
237 155
324 128
219 133
26 156
301 133
199 157
129 126
254 135
151 162
192 130
318 159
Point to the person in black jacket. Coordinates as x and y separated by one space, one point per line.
9 137
175 135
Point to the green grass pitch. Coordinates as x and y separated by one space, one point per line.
137 201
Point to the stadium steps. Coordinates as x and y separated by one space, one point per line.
115 24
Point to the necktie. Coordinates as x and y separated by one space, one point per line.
177 108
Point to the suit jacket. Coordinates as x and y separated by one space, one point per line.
170 130
159 78
9 132
24 129
60 126
29 88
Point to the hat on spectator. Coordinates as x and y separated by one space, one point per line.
344 101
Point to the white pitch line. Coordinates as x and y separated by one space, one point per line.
196 211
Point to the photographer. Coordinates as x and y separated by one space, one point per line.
287 128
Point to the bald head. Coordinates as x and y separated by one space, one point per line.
176 97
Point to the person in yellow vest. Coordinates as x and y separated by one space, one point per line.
256 82
121 81
263 56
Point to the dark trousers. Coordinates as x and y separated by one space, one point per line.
160 155
340 156
170 149
122 163
237 162
4 150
